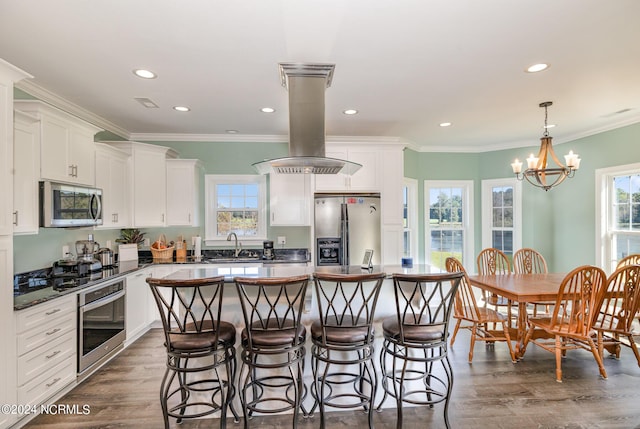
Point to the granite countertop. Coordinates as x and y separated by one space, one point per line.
37 286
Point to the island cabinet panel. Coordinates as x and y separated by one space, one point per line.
112 176
183 192
290 199
46 336
67 150
26 173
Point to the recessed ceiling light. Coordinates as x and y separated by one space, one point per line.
549 126
267 110
145 74
350 112
445 124
181 108
232 131
537 68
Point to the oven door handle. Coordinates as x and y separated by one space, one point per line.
102 301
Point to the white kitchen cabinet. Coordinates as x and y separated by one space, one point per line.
67 150
7 331
26 173
137 301
9 74
112 176
183 192
290 199
392 186
149 182
367 178
46 338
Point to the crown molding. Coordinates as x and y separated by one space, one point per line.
55 100
253 138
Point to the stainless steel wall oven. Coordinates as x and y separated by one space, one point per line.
101 322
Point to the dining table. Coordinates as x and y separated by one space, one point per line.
520 289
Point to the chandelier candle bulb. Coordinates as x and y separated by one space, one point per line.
532 162
517 166
572 160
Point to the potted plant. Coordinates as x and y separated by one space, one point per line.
131 235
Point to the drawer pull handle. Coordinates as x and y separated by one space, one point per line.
53 354
55 380
54 331
54 311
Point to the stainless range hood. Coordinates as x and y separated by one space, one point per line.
306 84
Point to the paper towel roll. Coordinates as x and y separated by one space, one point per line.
197 247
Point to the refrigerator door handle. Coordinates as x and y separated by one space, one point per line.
344 234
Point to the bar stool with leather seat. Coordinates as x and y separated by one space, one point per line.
415 339
273 350
200 371
344 372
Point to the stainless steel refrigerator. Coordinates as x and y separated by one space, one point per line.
346 226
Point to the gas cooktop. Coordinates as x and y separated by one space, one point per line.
58 279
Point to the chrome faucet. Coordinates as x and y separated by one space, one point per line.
237 246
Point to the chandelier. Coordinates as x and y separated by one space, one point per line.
539 172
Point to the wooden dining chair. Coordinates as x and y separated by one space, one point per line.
530 261
465 308
572 318
492 261
633 259
617 308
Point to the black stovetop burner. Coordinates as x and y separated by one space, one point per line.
61 276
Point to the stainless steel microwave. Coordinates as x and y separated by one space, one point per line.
64 205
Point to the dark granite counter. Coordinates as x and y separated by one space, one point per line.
37 286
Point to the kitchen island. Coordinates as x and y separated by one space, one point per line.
231 271
232 312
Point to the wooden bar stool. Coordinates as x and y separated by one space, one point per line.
201 356
343 338
415 339
273 348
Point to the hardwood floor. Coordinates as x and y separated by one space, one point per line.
490 393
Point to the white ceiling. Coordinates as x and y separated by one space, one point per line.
406 65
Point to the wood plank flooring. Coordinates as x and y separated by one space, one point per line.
490 393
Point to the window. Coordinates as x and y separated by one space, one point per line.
501 215
410 217
617 214
235 203
449 227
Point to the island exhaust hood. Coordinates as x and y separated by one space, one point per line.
306 84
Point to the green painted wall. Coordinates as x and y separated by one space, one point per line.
560 222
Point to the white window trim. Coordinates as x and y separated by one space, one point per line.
604 255
487 205
468 247
210 181
412 204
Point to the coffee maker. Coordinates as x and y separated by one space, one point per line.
267 250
